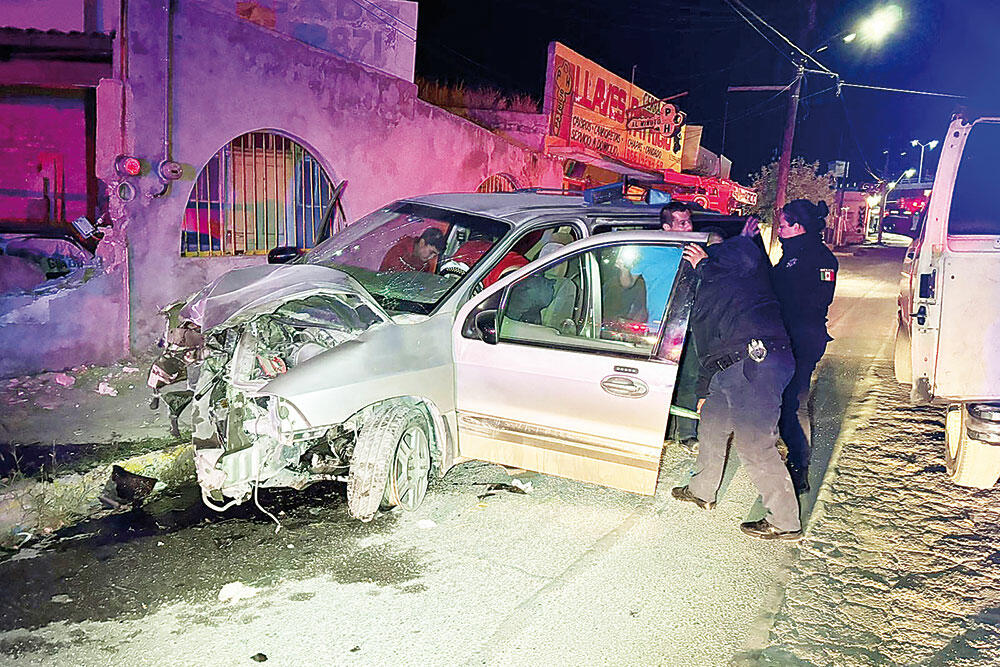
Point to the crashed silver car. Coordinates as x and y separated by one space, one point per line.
500 327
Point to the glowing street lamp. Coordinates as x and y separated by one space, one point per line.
883 21
930 145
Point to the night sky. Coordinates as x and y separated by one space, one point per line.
703 47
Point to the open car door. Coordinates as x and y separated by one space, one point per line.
568 366
954 321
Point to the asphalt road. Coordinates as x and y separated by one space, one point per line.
570 573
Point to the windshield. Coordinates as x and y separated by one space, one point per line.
410 256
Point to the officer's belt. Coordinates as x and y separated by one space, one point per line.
722 363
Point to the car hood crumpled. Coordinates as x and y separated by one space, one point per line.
247 291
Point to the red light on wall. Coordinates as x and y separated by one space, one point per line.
126 165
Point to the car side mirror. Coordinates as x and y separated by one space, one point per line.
486 325
283 254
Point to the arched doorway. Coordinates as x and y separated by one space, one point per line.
260 191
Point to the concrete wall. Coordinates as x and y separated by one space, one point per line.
230 77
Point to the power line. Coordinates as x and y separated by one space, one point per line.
779 34
854 137
389 14
761 33
904 90
394 28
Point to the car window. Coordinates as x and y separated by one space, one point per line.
609 299
530 246
973 210
410 256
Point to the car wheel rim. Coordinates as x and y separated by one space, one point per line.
410 468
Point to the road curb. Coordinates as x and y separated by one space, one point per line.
31 508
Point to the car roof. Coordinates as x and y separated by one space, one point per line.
524 206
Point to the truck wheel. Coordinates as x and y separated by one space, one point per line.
902 362
391 462
969 461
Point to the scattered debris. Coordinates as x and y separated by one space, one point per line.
64 379
258 657
106 389
159 544
61 599
126 487
236 591
291 546
426 524
524 486
517 487
130 369
355 649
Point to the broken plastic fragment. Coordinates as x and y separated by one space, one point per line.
126 487
106 389
271 365
61 599
64 379
524 486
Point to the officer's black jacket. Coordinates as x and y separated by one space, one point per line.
804 281
734 304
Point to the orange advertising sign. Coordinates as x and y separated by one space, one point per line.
591 108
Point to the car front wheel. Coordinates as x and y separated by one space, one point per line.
392 460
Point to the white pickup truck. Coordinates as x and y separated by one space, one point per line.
948 339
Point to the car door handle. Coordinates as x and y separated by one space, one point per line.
627 387
921 315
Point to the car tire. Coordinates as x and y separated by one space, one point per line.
397 439
902 362
969 462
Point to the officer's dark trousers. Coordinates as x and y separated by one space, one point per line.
744 400
794 425
685 395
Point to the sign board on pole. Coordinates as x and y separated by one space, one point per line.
591 108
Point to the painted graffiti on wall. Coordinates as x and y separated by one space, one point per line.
378 33
590 107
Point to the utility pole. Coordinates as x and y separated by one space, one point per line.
785 159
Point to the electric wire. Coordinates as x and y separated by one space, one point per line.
761 33
854 138
777 32
412 38
904 90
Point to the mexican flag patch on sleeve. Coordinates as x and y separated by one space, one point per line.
827 275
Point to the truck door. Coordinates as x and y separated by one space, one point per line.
955 305
569 369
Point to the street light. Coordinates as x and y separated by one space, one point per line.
875 28
885 196
931 145
878 26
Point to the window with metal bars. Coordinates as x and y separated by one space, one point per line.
498 183
260 191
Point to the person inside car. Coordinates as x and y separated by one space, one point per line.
415 254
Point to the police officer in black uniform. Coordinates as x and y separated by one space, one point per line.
745 362
804 280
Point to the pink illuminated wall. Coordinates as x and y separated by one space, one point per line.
43 169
